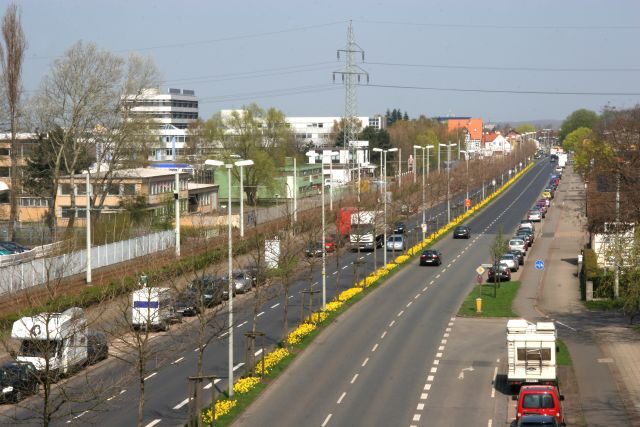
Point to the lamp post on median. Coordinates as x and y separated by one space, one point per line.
448 146
424 208
88 226
229 166
384 195
466 156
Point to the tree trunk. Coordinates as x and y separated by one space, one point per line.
13 195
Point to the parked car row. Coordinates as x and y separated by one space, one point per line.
11 248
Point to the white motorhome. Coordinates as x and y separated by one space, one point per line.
531 352
60 338
152 308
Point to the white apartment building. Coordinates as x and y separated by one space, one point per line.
317 130
177 107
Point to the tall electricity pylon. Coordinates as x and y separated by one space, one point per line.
351 75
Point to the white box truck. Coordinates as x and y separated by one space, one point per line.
562 159
152 308
59 338
531 353
367 230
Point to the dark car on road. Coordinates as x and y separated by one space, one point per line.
431 257
399 228
526 235
537 421
503 273
97 347
461 232
186 303
17 380
212 289
518 254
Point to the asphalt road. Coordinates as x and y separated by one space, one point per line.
107 393
383 362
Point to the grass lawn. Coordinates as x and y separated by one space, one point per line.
498 306
604 304
563 358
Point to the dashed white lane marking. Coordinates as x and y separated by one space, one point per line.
260 314
326 420
438 355
400 313
123 391
242 324
430 378
453 319
444 270
291 296
417 296
447 330
335 272
420 407
438 276
436 362
208 386
258 352
489 423
383 335
196 349
150 375
365 362
409 304
431 282
181 404
154 422
178 360
235 368
77 416
222 335
449 265
446 335
424 396
441 348
345 267
416 417
375 347
425 289
344 393
493 383
275 305
450 323
434 370
393 322
355 377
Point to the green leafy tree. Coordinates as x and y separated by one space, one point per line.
573 140
525 128
377 139
577 119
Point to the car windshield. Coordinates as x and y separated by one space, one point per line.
537 401
508 257
39 348
395 238
238 275
516 242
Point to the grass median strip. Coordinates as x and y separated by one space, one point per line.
492 306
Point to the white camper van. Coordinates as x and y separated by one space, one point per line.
531 352
152 308
60 338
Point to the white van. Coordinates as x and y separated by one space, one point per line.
59 338
152 308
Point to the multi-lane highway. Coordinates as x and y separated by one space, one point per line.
410 312
400 357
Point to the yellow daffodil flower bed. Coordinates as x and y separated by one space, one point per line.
244 385
300 332
333 306
348 294
223 407
317 317
271 360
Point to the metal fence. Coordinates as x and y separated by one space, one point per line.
42 270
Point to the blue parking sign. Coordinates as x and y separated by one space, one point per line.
539 264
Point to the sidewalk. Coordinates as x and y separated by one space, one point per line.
605 386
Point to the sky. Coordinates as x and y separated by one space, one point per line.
503 61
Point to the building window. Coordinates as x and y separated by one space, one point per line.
65 189
113 190
129 189
4 152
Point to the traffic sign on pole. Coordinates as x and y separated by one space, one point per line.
480 279
467 203
480 270
539 264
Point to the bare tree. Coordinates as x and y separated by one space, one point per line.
89 94
11 57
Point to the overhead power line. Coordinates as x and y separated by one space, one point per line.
268 94
562 26
507 91
507 68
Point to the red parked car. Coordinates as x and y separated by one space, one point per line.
540 400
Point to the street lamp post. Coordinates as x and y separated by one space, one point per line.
229 166
466 156
176 196
448 146
324 232
331 154
424 208
384 195
415 169
88 216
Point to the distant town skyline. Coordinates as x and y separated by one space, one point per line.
502 61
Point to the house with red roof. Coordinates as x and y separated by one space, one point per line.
494 143
472 130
